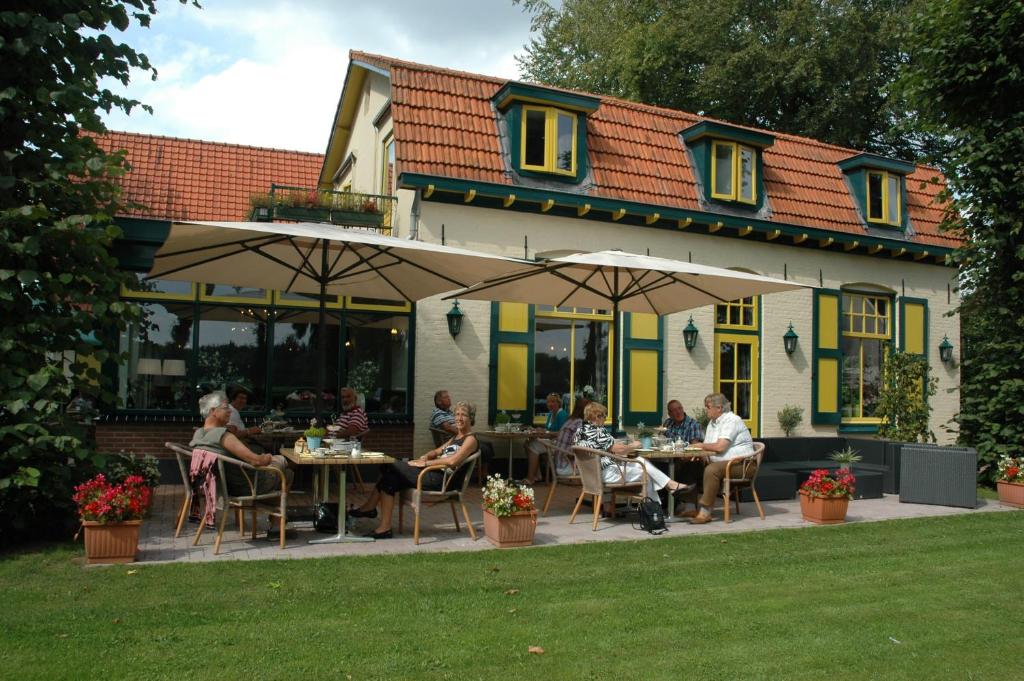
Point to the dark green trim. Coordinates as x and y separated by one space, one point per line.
140 241
519 92
858 183
658 345
857 428
725 131
513 120
527 338
827 417
528 199
701 149
875 162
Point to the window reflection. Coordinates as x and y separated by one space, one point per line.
158 347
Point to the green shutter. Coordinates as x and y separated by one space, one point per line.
826 372
643 369
512 358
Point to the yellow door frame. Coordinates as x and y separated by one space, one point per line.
754 342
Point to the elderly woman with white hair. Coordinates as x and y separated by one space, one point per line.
593 435
728 438
215 437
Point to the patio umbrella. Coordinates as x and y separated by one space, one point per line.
319 259
626 282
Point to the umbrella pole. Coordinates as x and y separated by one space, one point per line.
616 411
321 344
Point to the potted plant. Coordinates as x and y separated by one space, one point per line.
643 433
825 496
1010 481
846 457
111 514
790 417
314 435
261 205
510 515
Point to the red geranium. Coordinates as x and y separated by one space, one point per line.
101 501
823 483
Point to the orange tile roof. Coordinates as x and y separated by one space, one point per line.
185 179
444 125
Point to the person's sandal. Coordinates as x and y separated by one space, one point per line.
700 519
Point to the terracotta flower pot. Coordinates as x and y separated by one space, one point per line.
510 531
1011 493
823 510
111 542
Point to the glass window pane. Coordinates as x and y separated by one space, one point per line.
232 349
894 200
727 359
734 314
295 360
874 356
535 143
590 360
182 288
721 314
741 405
552 358
723 169
225 291
566 143
850 391
285 297
882 307
746 174
744 369
377 360
869 325
388 170
159 347
857 325
875 196
748 315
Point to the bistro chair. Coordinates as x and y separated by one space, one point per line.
252 502
453 489
184 458
554 452
741 473
588 462
440 436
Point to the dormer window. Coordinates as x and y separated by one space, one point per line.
728 161
548 140
878 186
884 197
546 130
733 172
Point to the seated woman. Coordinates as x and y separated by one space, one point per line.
403 474
556 419
592 434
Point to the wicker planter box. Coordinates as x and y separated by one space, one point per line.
111 542
510 531
945 476
823 510
1011 494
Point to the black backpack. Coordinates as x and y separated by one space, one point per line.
652 517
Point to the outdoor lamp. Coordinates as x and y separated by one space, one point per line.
945 350
690 335
789 340
454 320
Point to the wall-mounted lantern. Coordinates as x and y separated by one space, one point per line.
789 340
690 335
946 350
454 320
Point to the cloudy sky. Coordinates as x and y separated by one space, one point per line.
270 72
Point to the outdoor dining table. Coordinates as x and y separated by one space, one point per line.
512 437
340 461
673 455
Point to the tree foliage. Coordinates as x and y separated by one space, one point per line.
59 284
966 78
819 68
903 401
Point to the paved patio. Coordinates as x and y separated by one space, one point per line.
158 544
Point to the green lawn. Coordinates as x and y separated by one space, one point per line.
914 599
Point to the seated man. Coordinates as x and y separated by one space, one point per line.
353 418
728 437
681 426
442 417
215 437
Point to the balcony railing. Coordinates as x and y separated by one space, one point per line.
351 209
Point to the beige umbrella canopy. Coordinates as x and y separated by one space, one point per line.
625 282
319 259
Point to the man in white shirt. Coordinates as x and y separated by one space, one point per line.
728 437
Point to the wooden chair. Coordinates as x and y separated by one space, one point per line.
553 452
741 473
588 462
252 502
453 489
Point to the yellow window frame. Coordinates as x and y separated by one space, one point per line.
551 115
570 313
737 165
860 310
886 198
238 300
160 295
399 306
281 301
741 304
